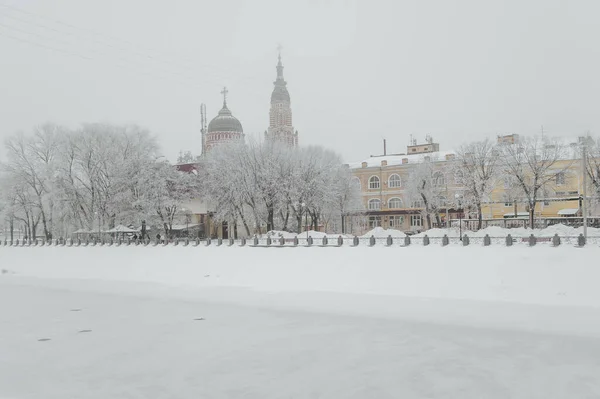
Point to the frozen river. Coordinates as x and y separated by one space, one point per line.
84 340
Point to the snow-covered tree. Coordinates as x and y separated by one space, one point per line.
532 164
162 189
427 189
476 169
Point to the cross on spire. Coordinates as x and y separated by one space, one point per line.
279 48
224 93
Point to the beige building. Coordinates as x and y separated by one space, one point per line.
383 182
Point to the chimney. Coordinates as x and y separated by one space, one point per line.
363 165
384 163
404 161
450 157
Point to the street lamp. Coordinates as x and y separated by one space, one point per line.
98 214
305 219
187 233
458 198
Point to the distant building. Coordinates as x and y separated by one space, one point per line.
280 116
224 127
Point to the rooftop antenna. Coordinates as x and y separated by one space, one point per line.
384 148
203 128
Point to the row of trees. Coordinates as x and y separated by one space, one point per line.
267 185
529 170
57 180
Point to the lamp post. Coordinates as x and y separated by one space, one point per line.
98 214
458 199
187 233
305 219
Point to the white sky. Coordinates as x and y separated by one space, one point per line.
357 71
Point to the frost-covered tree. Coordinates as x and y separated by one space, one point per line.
162 189
427 189
593 166
476 169
32 161
533 164
267 184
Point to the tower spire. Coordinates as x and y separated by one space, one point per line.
224 93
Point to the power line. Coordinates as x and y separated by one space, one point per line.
130 49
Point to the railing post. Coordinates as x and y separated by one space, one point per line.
208 241
509 241
371 241
309 241
243 242
406 241
555 240
255 241
465 240
325 241
389 241
231 241
355 241
340 241
532 240
269 241
295 241
425 240
581 240
281 241
445 240
487 241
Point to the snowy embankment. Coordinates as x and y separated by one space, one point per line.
540 275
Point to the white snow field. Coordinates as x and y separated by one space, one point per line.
242 322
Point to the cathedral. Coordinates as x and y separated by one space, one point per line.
225 127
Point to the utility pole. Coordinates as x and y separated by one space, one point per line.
584 188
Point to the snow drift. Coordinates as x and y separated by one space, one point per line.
540 275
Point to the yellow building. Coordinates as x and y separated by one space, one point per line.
387 203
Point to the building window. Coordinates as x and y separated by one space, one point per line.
416 220
508 182
374 204
459 177
418 203
374 221
373 182
442 200
560 178
395 203
396 221
356 182
439 180
394 181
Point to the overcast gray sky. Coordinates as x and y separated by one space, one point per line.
357 71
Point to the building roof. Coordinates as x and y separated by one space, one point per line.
225 122
375 161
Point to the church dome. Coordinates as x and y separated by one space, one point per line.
225 122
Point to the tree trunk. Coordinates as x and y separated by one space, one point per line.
299 221
270 219
479 217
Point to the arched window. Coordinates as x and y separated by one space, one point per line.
439 180
395 203
373 182
355 182
374 204
459 177
394 181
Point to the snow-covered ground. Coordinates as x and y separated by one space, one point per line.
232 322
